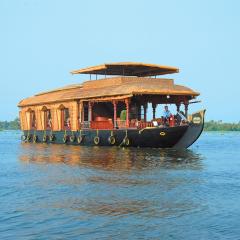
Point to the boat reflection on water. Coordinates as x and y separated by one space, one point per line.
109 158
116 181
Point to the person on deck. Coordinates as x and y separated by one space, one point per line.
68 123
166 114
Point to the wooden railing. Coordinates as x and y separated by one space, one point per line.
108 124
144 124
121 124
133 124
84 125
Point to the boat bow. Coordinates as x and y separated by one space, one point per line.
196 125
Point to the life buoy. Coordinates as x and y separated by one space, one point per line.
72 138
35 138
28 138
23 138
111 140
126 141
65 138
96 140
51 138
44 138
80 139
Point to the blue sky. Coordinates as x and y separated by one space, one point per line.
42 41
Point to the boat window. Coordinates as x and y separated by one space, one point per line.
66 118
33 120
85 114
48 118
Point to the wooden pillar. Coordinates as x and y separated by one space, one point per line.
44 118
178 106
139 108
56 118
154 105
186 109
75 116
115 114
90 105
22 119
28 120
40 118
127 112
62 118
145 112
80 111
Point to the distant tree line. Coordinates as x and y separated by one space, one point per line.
10 125
209 126
221 126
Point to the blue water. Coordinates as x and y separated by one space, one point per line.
69 192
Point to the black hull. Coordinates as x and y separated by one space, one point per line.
146 138
193 132
176 137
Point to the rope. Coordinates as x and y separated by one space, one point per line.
123 140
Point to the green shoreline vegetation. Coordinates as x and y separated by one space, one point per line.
221 126
10 125
209 126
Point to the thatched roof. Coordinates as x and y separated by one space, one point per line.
128 69
110 88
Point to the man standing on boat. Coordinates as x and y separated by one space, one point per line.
166 114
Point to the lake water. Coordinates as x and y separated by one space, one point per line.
69 192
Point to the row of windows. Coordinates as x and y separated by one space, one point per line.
47 119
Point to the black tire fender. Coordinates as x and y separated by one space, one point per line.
72 138
80 139
111 140
96 140
45 137
65 138
51 138
126 141
35 138
23 138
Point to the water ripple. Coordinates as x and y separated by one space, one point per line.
73 192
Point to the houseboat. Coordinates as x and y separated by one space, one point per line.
118 109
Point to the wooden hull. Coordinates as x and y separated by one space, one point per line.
176 137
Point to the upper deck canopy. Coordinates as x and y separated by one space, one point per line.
113 88
128 69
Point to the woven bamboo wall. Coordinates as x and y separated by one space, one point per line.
24 115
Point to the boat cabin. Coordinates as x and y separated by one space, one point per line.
118 100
